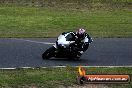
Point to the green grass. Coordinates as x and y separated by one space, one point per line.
101 18
55 77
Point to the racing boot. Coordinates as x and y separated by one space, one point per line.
79 54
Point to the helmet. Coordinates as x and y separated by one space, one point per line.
81 33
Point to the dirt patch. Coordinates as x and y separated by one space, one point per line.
86 86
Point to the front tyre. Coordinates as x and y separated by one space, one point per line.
49 53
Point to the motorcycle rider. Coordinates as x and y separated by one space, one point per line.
81 38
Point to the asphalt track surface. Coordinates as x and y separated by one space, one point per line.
27 53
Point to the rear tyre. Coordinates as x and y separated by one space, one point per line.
48 53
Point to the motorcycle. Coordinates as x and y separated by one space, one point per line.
63 49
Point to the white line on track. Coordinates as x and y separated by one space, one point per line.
64 67
35 41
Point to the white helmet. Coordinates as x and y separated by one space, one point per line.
81 33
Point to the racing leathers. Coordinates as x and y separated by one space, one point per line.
82 44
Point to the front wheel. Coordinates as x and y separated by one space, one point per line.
48 53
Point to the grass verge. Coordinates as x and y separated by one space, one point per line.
45 18
55 77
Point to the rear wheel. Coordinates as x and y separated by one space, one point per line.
48 53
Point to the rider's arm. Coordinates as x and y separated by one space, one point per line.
88 39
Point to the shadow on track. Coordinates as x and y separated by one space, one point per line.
81 60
